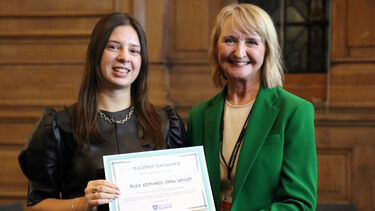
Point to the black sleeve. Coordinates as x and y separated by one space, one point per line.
174 129
40 160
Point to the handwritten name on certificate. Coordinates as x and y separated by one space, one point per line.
165 180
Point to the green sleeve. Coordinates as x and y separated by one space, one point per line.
298 182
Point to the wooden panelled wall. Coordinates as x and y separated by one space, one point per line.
42 51
345 128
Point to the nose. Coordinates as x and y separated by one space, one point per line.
240 50
123 56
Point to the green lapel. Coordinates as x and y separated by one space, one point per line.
261 120
212 118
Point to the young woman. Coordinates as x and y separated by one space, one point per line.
63 158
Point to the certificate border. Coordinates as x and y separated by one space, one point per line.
197 150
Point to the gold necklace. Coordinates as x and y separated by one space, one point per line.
112 121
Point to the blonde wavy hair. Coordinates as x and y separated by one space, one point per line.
251 19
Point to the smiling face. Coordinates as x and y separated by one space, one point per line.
240 54
121 60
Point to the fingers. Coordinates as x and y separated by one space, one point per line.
102 186
100 198
99 192
103 183
94 189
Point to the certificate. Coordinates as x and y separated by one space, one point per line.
170 180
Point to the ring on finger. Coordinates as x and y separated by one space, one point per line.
94 189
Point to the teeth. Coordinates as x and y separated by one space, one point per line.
121 70
240 63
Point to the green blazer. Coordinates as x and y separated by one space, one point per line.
277 166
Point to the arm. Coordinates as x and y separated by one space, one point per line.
104 193
42 163
40 160
298 179
60 205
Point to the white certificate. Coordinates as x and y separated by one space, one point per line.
173 179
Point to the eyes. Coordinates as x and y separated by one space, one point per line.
114 47
230 40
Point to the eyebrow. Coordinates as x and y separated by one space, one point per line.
114 41
254 37
117 42
228 36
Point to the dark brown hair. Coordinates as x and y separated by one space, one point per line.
85 128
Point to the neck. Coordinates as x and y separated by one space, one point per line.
241 93
114 100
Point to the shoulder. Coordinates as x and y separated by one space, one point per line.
287 96
60 118
168 114
45 124
64 118
285 100
41 144
49 127
200 109
174 128
170 118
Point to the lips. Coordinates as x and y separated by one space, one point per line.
239 62
121 69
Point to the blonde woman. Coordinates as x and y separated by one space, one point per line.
258 139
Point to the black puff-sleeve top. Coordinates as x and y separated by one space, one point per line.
58 167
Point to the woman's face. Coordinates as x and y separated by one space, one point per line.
121 60
240 54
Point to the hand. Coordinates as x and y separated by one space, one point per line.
98 192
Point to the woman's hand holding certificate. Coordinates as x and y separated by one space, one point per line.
174 179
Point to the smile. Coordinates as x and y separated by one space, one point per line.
121 70
239 62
